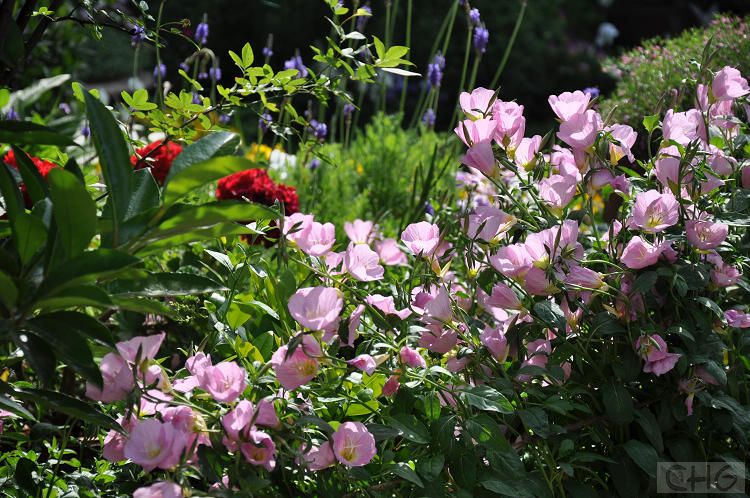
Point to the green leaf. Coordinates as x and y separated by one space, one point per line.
36 187
40 356
247 56
83 295
6 403
8 291
165 284
403 470
68 405
711 305
213 144
24 473
650 427
535 419
114 158
197 175
87 267
75 211
87 326
409 427
30 234
146 193
643 455
488 399
645 282
33 92
618 404
550 313
651 122
28 133
13 202
211 233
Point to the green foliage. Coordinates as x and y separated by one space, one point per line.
661 73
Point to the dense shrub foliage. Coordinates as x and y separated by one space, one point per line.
185 315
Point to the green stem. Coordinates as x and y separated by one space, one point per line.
467 53
159 88
404 85
509 46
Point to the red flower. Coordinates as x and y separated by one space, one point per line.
44 167
160 161
256 186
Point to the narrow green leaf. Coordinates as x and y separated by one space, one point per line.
36 187
8 291
75 212
618 404
87 267
165 284
28 133
214 144
31 236
643 455
488 399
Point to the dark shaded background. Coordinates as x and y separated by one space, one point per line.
554 52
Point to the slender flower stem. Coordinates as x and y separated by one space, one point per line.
467 53
509 46
157 34
404 85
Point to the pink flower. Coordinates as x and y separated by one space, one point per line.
581 129
161 489
537 283
117 380
359 232
421 238
389 252
511 124
300 367
488 223
654 212
476 104
438 339
297 226
704 234
224 381
538 354
584 277
455 364
684 127
265 414
653 350
667 168
567 104
729 84
512 261
391 386
114 442
259 450
623 138
316 308
724 275
197 363
319 457
557 191
479 141
363 362
494 340
746 177
363 263
439 307
354 320
154 444
737 319
235 422
411 358
640 254
525 153
143 347
317 239
602 177
387 306
502 296
353 444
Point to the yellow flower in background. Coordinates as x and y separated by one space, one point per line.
259 152
360 168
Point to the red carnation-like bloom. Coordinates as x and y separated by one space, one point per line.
44 167
256 186
160 161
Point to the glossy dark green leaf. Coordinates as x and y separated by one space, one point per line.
645 282
74 210
11 193
24 476
31 236
85 325
214 144
146 194
165 284
114 159
213 232
410 428
618 404
643 455
143 305
403 470
535 419
40 356
8 291
199 174
550 313
487 398
68 405
28 133
6 403
87 267
650 426
36 187
82 295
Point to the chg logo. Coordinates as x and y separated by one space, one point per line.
700 477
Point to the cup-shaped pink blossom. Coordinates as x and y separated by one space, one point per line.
145 346
161 489
489 223
421 238
569 104
363 362
391 386
557 191
353 445
737 319
319 457
389 252
316 308
411 358
318 239
477 103
480 156
654 212
496 343
387 306
259 450
725 275
224 381
511 124
512 261
355 319
745 177
475 132
728 84
265 414
538 283
580 130
586 278
236 421
437 338
299 368
502 296
623 137
117 380
359 231
640 253
684 127
526 151
297 226
153 444
654 351
363 263
704 234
